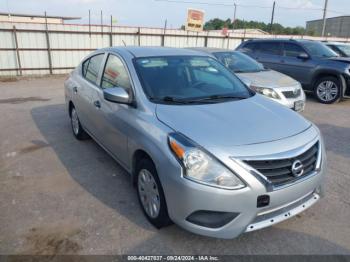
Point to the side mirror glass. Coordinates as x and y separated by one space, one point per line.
303 56
116 95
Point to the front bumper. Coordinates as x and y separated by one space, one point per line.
291 102
185 197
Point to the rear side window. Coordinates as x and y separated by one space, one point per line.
91 67
292 50
272 48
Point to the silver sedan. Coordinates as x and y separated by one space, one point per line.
203 150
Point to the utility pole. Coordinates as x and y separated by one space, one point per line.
272 16
324 17
234 16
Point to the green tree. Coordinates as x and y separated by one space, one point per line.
217 24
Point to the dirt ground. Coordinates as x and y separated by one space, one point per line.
62 196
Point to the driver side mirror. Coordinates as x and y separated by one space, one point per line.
303 56
116 95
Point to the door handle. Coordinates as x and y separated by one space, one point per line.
75 90
97 104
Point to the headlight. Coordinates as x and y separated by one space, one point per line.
200 166
269 92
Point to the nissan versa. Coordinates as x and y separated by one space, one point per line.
203 150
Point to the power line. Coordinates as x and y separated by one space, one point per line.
248 6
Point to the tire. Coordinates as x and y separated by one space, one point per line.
327 90
78 131
150 194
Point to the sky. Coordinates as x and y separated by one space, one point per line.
153 13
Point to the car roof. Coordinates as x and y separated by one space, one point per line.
143 51
211 50
280 40
335 43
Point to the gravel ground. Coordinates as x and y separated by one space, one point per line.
62 196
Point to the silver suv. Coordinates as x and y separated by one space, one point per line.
203 150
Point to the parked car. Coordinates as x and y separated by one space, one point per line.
272 84
312 63
203 150
342 49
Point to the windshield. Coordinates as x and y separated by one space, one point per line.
345 49
318 49
238 62
181 79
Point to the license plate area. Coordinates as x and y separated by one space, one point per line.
299 105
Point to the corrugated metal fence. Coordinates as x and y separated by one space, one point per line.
27 49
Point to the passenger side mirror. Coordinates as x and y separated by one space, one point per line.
116 95
303 56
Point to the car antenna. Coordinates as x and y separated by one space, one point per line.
123 42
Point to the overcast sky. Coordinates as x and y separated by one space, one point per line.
153 13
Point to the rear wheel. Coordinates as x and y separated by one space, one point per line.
327 90
77 129
150 194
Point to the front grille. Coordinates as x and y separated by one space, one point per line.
292 94
279 172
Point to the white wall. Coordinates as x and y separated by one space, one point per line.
66 36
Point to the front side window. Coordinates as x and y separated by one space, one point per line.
91 67
318 49
238 62
188 79
292 50
115 74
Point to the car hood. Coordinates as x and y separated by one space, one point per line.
243 122
268 78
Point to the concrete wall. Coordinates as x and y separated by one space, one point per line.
24 46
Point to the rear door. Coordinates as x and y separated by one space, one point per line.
85 86
292 65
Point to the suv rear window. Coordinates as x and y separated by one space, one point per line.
248 47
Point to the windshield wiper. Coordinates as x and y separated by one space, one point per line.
219 97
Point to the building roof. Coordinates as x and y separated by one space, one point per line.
335 17
41 16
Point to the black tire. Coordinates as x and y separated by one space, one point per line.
162 218
78 131
335 87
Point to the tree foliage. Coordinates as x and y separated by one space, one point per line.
217 24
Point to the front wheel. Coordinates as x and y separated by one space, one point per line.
327 90
150 194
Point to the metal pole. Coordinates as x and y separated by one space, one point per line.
89 23
17 51
139 34
163 38
324 17
234 17
101 25
110 35
273 15
48 44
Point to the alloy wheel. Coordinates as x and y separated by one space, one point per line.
327 90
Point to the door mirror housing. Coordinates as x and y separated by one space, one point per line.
303 56
116 95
